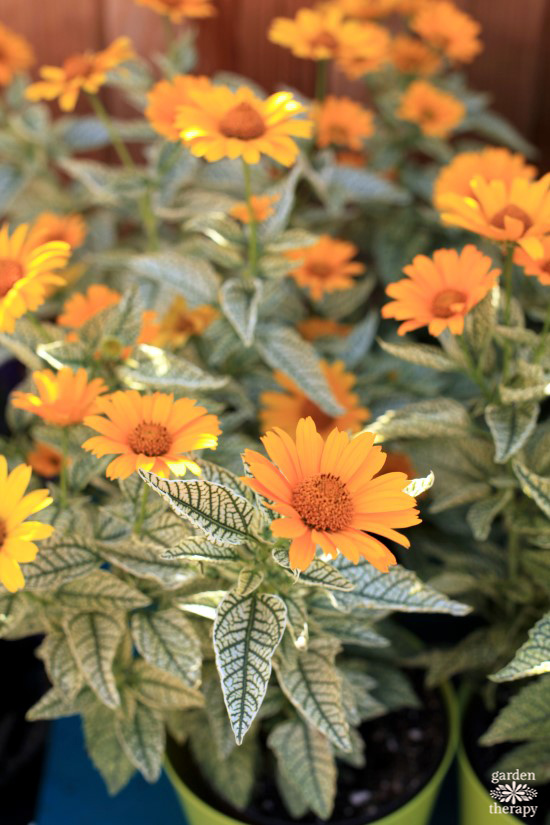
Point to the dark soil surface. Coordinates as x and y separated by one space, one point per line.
403 750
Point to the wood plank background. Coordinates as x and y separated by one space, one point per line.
514 67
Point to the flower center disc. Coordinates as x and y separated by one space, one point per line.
3 532
325 40
10 273
320 269
448 302
79 65
323 503
150 439
512 211
242 122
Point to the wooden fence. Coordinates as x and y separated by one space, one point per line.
514 67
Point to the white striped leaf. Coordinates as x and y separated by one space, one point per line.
399 589
61 559
222 515
349 630
423 419
60 664
480 516
100 590
524 717
159 527
422 355
247 631
306 755
318 574
199 548
534 757
224 477
157 369
104 748
417 486
249 580
218 721
533 657
193 277
535 486
310 680
511 427
297 619
143 561
142 736
240 307
94 638
289 792
167 640
160 689
55 705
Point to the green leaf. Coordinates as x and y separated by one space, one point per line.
481 515
142 560
194 278
240 306
310 680
143 740
361 186
534 486
524 717
106 185
105 749
249 580
94 638
423 419
283 349
247 631
349 630
224 477
418 486
60 664
160 689
198 548
422 355
510 427
533 657
318 574
306 756
167 640
534 757
399 589
61 559
223 516
25 340
100 590
156 369
54 705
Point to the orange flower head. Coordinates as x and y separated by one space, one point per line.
436 113
81 306
262 208
178 10
491 163
515 213
342 122
364 51
313 328
285 408
64 398
180 323
326 266
16 55
28 269
326 495
45 461
51 227
223 123
537 267
150 432
440 291
17 535
165 98
85 72
412 56
452 32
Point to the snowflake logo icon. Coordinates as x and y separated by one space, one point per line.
513 792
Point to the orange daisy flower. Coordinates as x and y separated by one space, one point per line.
16 55
222 123
64 398
365 50
27 271
515 213
491 163
327 496
85 72
45 461
262 208
449 30
81 306
440 291
341 121
165 98
325 266
51 227
537 267
180 323
17 535
285 409
436 113
313 328
178 10
150 432
412 56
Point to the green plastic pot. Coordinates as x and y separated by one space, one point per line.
475 800
416 811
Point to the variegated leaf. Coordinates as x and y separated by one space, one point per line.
533 657
94 638
199 548
160 689
240 306
535 486
318 574
193 277
143 738
167 640
61 559
423 419
511 427
60 664
143 561
524 717
422 355
55 705
418 486
249 580
104 748
152 368
100 590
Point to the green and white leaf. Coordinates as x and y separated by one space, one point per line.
152 368
535 486
160 689
101 591
318 574
481 515
524 717
167 640
422 355
418 486
199 548
533 657
61 559
104 748
194 278
60 664
423 419
249 580
511 427
240 306
94 638
142 737
143 561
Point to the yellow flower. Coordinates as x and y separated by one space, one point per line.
85 72
518 212
165 98
51 227
285 409
412 56
449 30
262 208
18 536
16 55
440 291
27 270
313 328
325 266
538 267
178 10
180 323
150 432
45 461
226 124
435 112
364 51
491 163
326 495
341 121
64 398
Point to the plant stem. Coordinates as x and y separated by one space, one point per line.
507 277
142 510
252 226
321 79
63 480
513 552
543 337
144 203
474 370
